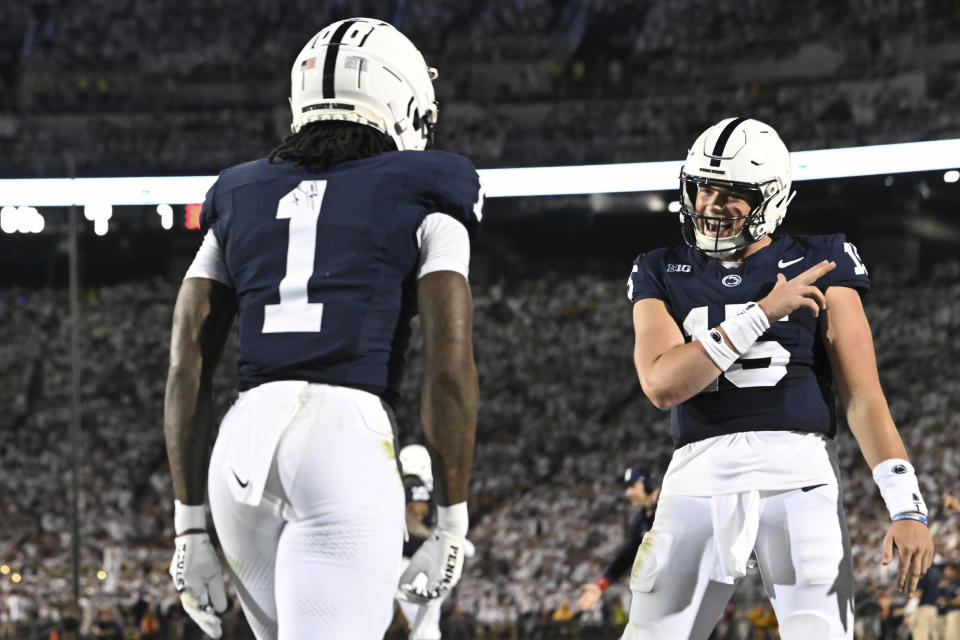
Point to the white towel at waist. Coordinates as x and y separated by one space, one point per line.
736 518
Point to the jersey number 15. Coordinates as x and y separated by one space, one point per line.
764 364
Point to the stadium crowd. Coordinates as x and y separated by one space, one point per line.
144 88
561 416
150 88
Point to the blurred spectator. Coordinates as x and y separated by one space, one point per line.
868 612
106 627
951 502
150 624
949 603
563 612
764 622
924 623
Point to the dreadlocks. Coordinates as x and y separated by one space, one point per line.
321 145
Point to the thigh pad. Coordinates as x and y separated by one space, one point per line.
816 540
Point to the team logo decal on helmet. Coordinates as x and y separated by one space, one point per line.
365 71
745 156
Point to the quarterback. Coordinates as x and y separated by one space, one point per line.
746 337
324 252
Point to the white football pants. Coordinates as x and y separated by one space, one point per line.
318 555
802 549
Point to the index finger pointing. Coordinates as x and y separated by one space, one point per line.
816 272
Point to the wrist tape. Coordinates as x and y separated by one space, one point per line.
716 347
453 519
899 487
188 516
744 328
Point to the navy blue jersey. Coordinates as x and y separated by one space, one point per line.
929 586
947 595
324 264
783 382
627 552
414 490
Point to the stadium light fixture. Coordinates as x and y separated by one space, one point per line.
99 213
8 219
951 176
21 220
165 212
935 155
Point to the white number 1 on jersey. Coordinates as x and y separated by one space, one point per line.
294 313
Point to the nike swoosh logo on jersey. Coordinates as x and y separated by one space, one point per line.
243 485
786 263
813 486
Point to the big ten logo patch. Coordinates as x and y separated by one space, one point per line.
678 268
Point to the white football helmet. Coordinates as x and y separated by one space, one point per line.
744 155
365 71
415 461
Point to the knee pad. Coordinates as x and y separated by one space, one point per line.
806 625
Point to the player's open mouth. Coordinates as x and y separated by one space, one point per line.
718 226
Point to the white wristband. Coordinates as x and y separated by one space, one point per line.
188 516
899 487
716 347
744 328
453 519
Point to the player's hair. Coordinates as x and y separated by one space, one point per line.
321 145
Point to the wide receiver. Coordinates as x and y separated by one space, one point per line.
745 337
324 251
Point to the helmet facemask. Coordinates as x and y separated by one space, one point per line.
695 227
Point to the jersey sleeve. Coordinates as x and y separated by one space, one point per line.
209 262
850 270
628 551
642 283
457 191
444 245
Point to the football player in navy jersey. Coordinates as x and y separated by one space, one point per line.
324 251
746 337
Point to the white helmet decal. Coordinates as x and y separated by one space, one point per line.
415 461
741 154
365 71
